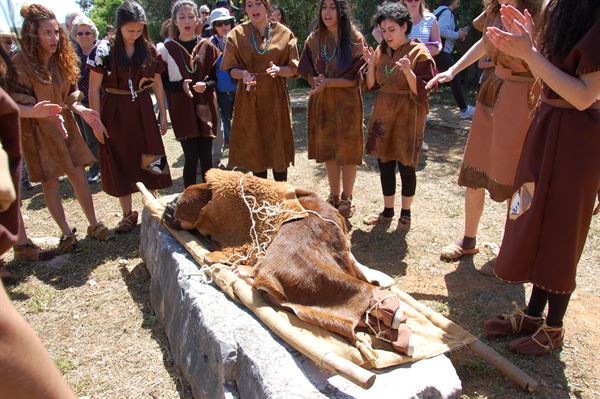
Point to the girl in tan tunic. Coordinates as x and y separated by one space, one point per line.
50 138
261 54
131 147
400 68
331 62
558 178
503 113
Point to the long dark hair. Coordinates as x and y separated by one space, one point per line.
345 25
173 30
565 23
131 11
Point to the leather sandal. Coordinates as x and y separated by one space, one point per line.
509 324
455 251
30 252
334 200
377 218
99 232
68 243
545 340
346 207
403 223
128 223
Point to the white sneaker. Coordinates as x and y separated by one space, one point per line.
467 113
425 146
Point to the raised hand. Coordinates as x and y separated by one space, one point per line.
517 45
199 87
510 15
403 64
369 55
273 70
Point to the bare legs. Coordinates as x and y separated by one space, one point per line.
347 173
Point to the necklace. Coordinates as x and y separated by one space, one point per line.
187 60
134 94
256 46
326 57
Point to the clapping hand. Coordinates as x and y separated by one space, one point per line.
369 55
403 64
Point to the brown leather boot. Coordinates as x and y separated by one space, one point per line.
509 324
346 208
544 340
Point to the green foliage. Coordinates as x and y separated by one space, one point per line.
103 13
156 12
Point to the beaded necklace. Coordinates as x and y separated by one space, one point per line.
255 44
326 57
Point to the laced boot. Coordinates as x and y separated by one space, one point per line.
68 243
509 324
544 340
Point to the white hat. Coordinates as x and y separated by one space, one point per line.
220 14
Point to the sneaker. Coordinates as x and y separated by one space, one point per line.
92 179
467 113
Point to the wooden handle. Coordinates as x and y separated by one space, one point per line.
361 377
501 363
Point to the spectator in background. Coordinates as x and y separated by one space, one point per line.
109 31
221 23
204 15
85 32
447 25
69 18
278 15
228 5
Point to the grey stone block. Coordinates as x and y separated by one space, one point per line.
224 351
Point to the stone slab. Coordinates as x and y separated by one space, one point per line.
224 351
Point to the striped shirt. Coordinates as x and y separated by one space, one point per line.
422 30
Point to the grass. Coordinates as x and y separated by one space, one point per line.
107 343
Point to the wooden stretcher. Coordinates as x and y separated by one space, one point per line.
432 333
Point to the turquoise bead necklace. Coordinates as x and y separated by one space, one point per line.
326 57
268 43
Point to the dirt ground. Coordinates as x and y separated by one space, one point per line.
91 309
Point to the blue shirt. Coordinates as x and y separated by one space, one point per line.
225 83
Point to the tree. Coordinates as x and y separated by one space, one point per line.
85 5
103 13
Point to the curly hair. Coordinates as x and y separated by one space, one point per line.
64 58
565 23
395 11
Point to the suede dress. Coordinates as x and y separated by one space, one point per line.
335 115
397 123
47 153
134 151
261 131
556 186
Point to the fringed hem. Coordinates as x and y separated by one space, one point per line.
473 178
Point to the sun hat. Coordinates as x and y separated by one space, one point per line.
220 14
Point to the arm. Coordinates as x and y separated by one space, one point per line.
435 36
26 368
470 57
447 26
369 57
404 65
94 97
159 92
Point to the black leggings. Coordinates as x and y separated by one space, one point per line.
278 176
443 62
387 174
194 149
557 305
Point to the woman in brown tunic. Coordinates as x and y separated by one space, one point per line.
194 115
503 113
52 145
400 69
331 62
558 178
131 147
261 54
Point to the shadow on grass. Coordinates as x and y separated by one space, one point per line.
486 297
381 249
138 284
74 269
